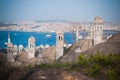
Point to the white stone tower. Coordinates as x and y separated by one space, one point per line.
77 35
31 47
97 31
59 44
90 33
10 50
15 50
20 48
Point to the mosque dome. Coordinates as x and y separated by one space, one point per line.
15 46
98 20
59 32
20 46
47 46
31 39
42 46
9 44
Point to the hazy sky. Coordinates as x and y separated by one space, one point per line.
75 10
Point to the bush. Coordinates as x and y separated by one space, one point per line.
101 65
82 60
113 75
94 70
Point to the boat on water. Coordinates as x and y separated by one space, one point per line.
48 35
15 34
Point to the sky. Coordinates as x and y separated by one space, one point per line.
71 10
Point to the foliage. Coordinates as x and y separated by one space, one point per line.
98 65
103 67
95 66
82 60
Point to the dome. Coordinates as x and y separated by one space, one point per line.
9 45
59 32
47 46
15 46
98 20
20 46
42 46
31 39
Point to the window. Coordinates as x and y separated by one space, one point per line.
30 45
59 38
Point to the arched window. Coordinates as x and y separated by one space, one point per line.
59 37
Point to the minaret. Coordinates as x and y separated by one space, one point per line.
31 47
89 36
10 55
59 44
8 37
98 30
77 35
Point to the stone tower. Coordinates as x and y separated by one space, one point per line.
97 30
31 47
10 50
20 48
15 52
59 44
77 35
90 33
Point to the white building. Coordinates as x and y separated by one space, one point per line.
10 50
20 48
31 47
59 44
95 31
15 50
77 35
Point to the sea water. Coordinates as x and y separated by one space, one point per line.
41 37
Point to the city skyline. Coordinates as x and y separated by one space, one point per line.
71 10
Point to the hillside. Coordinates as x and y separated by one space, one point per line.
54 71
7 25
96 67
110 46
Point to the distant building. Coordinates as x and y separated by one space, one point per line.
95 36
98 30
47 46
77 35
31 47
95 31
15 50
20 48
59 44
10 50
